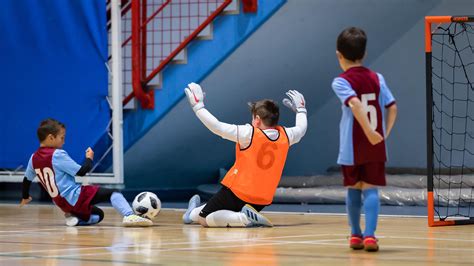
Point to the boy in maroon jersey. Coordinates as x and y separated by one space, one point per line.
368 115
56 171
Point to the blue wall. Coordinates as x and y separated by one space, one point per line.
295 49
53 56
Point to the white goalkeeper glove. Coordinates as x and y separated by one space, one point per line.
195 96
295 102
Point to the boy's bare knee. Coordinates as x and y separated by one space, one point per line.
365 185
202 221
362 185
357 185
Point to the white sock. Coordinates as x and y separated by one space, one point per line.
225 218
194 215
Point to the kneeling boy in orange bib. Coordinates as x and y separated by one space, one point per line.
261 150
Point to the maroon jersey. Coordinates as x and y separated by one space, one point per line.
42 162
365 84
55 171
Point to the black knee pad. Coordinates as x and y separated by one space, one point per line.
98 211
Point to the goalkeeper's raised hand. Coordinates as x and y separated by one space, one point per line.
195 96
295 101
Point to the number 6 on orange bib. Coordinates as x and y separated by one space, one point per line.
258 168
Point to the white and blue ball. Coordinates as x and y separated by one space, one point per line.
146 204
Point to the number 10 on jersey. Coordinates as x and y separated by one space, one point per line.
46 178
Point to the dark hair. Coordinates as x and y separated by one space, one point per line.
351 43
49 126
267 110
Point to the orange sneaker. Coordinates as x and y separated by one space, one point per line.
370 243
356 242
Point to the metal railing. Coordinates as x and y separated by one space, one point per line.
161 30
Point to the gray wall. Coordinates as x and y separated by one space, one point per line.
295 49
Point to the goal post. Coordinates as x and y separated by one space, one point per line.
449 48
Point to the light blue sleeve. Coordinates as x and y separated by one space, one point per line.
30 173
343 90
385 93
63 162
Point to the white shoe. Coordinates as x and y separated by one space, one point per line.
255 218
135 220
194 202
71 220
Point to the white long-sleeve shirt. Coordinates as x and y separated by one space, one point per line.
242 134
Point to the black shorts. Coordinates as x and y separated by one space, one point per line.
225 199
103 195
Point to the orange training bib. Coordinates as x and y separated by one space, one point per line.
257 169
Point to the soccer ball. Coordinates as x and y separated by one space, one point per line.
146 204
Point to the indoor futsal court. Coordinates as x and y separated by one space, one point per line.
296 238
237 132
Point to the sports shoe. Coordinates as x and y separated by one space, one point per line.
71 220
370 243
356 242
135 220
255 218
194 202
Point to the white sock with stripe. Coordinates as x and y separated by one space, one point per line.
225 218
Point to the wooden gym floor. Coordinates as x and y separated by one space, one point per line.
36 235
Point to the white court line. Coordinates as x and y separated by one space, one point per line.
343 214
61 229
385 247
180 227
246 244
131 246
426 230
171 243
41 232
426 238
269 239
270 243
166 250
31 230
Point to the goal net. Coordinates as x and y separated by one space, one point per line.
450 119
